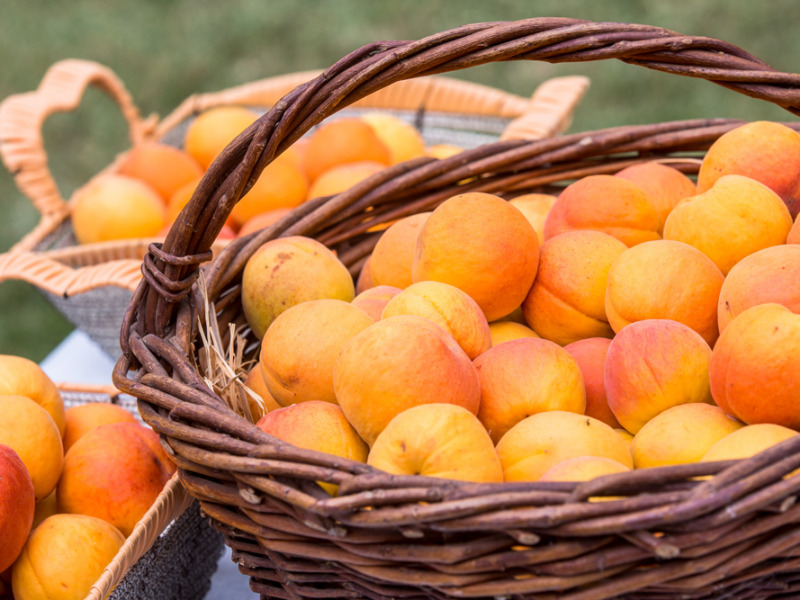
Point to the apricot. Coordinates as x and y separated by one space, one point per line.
505 331
763 150
213 129
535 444
567 300
681 434
653 365
287 271
17 499
482 245
374 299
316 425
604 203
769 275
163 167
535 208
590 354
437 440
364 278
665 186
441 151
255 382
393 255
748 441
262 221
30 431
794 232
524 377
116 207
46 507
280 185
400 137
583 468
340 178
397 363
84 417
64 557
301 346
734 218
753 368
664 279
22 376
114 472
450 308
345 140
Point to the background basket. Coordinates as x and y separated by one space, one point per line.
91 284
709 530
172 551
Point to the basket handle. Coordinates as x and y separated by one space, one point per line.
169 269
22 117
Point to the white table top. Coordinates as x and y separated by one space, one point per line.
78 359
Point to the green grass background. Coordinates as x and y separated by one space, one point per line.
166 50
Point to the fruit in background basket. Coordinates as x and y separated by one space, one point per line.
583 468
213 129
441 151
567 300
665 186
319 426
85 417
535 208
262 221
505 331
525 377
343 140
604 203
731 220
116 207
373 300
664 279
342 177
482 245
450 308
754 366
653 365
681 434
401 138
748 441
17 505
64 557
537 443
397 363
287 271
180 198
114 472
301 345
280 185
590 354
768 152
30 431
437 440
769 275
22 376
164 168
393 255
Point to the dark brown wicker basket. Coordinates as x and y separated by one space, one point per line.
673 535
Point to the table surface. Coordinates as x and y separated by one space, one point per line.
78 359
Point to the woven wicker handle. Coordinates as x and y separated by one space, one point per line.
22 117
169 269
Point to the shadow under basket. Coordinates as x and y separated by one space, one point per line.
728 529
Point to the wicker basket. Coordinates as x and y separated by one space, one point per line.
91 285
172 551
710 530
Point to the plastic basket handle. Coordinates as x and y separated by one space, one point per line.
23 115
169 269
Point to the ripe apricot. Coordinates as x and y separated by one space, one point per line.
794 232
255 382
84 417
345 140
342 177
748 441
116 207
400 137
665 186
566 302
505 331
393 255
213 129
482 245
164 168
590 354
583 468
604 203
280 185
664 279
22 376
373 300
535 208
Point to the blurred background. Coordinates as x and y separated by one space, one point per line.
167 50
